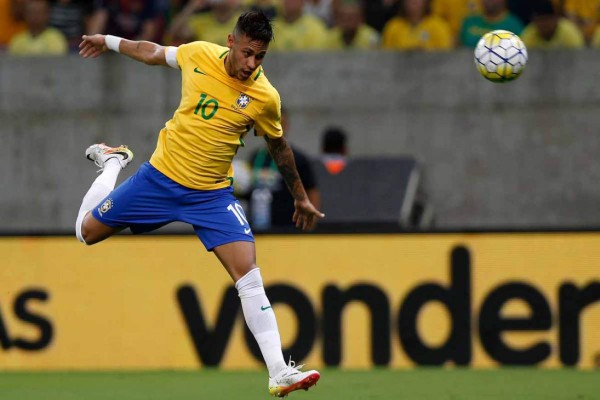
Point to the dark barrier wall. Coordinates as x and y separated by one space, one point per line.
522 154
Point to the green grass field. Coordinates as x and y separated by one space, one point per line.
422 384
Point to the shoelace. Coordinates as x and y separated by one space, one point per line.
292 365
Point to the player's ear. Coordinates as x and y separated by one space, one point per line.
230 40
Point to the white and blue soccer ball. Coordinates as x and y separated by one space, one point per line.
500 56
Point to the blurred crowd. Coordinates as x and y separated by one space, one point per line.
55 27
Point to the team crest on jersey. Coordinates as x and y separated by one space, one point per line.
105 207
243 101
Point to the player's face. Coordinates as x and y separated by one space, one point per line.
245 56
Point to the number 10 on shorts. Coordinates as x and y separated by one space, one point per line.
238 211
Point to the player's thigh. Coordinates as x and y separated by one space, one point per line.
217 218
238 258
145 201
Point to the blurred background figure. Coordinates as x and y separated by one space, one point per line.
12 20
322 9
494 15
584 13
72 18
296 30
207 20
38 39
596 38
268 187
415 28
271 8
548 30
129 19
334 150
455 11
379 12
350 31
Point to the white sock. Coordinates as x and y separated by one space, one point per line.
261 319
102 186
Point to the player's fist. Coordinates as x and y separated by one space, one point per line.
92 46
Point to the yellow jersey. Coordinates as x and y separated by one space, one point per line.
196 146
455 11
432 33
567 36
585 12
51 42
366 38
306 33
206 28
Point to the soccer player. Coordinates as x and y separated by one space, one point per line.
188 178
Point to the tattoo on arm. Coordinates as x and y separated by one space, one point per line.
283 156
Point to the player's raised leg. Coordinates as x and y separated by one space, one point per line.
110 160
239 259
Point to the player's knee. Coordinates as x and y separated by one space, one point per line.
85 235
88 236
251 284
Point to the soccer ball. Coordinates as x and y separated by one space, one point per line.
500 56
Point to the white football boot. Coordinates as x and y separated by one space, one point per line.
290 379
100 153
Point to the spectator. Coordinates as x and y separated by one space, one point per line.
72 18
266 175
38 39
494 16
322 9
11 19
584 13
455 11
296 30
334 150
548 30
415 28
129 19
596 38
379 12
213 25
271 8
350 31
522 9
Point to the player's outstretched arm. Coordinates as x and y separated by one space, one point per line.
142 51
305 215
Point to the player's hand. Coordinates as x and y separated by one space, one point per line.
306 215
92 46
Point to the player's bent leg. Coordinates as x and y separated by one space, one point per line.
94 231
110 160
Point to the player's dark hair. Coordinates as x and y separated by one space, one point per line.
256 25
334 140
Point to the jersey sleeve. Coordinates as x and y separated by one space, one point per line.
268 122
185 51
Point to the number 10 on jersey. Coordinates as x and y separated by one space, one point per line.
202 106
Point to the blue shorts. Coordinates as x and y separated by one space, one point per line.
149 199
